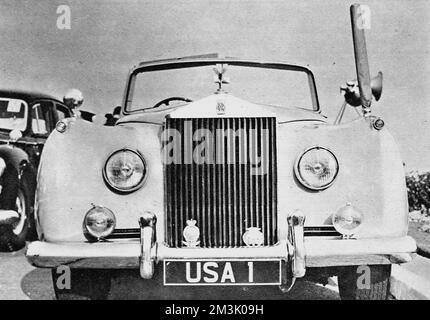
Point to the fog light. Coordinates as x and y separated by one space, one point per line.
99 222
347 220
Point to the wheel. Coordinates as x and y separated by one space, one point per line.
83 284
13 237
353 284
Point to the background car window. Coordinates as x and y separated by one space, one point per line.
40 117
62 112
13 114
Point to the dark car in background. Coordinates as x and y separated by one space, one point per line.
26 120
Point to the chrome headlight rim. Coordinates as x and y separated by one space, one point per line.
303 181
89 234
137 186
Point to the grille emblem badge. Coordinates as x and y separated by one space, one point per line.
253 237
220 108
191 234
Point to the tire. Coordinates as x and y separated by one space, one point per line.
85 284
13 237
378 288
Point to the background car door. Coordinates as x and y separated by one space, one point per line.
42 123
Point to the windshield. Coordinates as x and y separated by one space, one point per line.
13 114
269 86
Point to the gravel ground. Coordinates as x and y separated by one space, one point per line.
422 238
419 229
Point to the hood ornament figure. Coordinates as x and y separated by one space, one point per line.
219 77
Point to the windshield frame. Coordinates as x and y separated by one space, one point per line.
179 64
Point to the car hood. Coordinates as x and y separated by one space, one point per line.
222 105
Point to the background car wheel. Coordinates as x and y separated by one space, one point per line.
13 237
378 289
85 284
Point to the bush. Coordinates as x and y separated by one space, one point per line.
418 186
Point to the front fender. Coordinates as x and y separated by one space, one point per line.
70 178
371 176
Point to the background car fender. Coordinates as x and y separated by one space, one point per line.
16 156
27 185
26 171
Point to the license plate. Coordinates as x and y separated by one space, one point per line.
222 272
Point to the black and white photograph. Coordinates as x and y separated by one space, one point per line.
214 156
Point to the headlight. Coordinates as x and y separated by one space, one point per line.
99 222
347 220
316 168
125 170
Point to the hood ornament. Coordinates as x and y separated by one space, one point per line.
219 77
191 234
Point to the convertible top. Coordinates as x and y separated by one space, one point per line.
216 58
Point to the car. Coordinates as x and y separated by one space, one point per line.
26 119
240 182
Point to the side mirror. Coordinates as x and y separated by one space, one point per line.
73 99
351 90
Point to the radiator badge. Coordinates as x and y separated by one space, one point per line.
220 108
253 237
191 234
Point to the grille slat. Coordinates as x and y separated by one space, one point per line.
245 187
273 174
226 193
237 200
266 193
251 177
229 190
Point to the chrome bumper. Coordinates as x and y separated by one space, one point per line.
128 254
300 251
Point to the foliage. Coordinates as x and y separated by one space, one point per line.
418 186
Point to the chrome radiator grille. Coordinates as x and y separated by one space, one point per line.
227 193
